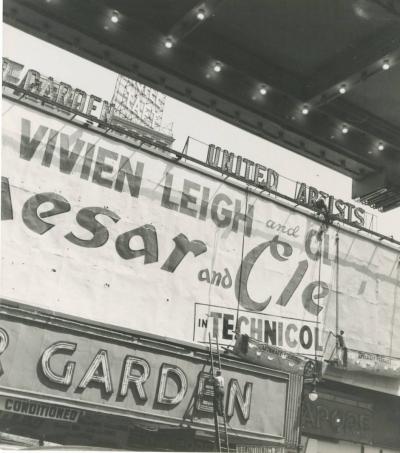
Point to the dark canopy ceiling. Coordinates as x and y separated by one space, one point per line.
303 51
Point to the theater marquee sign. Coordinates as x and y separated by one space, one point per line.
86 367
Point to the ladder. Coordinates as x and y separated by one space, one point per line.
221 432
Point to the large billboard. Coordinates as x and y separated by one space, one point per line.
96 228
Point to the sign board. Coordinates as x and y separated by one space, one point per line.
259 449
138 103
338 418
270 356
96 228
94 368
374 364
258 175
37 409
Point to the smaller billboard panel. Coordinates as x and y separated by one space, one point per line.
88 367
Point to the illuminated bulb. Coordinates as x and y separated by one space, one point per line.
263 90
115 17
342 89
305 110
217 67
313 396
201 15
381 146
338 420
345 129
386 65
168 43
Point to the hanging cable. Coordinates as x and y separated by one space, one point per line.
337 285
313 395
241 262
394 304
319 293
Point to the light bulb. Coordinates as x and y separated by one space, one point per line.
217 67
305 110
263 90
168 43
115 17
386 65
201 15
313 396
342 89
381 146
345 129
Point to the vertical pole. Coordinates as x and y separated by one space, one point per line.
219 357
319 294
224 415
211 356
241 263
185 148
302 396
337 284
394 305
216 426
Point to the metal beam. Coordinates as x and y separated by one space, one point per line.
354 65
364 120
189 22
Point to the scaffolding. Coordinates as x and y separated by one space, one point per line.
140 104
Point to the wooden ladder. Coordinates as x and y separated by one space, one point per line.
221 432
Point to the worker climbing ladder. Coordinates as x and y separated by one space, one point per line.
221 432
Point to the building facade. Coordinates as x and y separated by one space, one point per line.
122 258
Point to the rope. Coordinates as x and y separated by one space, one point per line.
241 262
337 284
394 305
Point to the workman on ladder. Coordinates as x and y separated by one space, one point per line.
342 350
219 392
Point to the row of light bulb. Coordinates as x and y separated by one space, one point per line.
313 395
263 90
271 357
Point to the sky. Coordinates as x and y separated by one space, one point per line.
187 121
